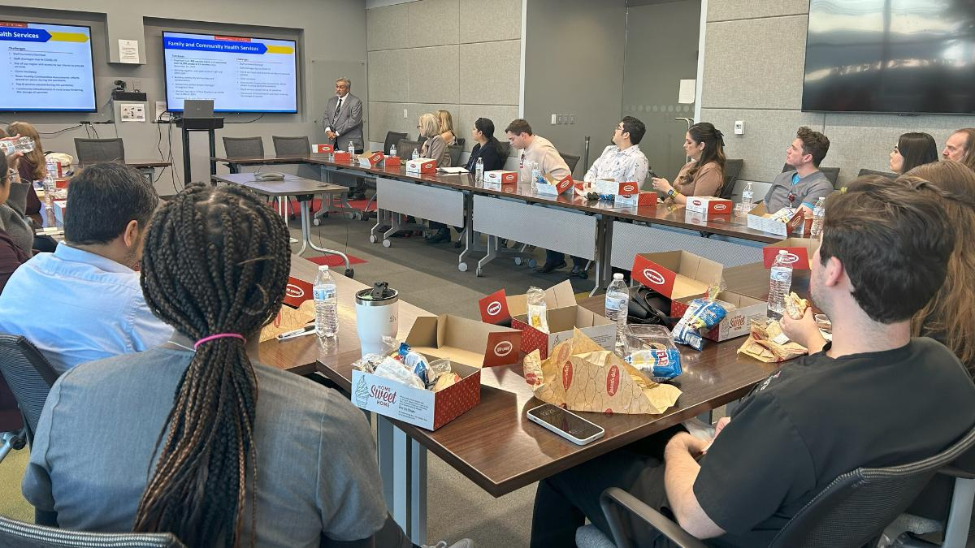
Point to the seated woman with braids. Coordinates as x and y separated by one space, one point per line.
195 437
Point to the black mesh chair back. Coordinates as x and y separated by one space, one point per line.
855 508
243 147
886 174
732 168
405 148
832 173
393 138
851 512
506 147
460 141
28 535
94 151
572 160
290 146
29 376
455 151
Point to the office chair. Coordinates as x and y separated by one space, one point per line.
29 376
28 535
832 173
11 422
405 148
289 146
571 160
393 138
874 172
506 148
732 168
852 511
93 151
455 151
242 147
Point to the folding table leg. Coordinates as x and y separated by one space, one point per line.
418 493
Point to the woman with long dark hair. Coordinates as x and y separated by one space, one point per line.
913 149
195 437
704 174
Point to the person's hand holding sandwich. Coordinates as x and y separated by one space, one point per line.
799 325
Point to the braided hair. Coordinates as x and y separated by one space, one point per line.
216 260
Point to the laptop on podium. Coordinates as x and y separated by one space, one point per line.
197 108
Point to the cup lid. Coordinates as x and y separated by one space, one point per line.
377 295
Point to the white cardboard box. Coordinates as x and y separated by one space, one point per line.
737 323
709 206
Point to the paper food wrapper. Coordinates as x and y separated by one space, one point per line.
289 319
580 376
769 344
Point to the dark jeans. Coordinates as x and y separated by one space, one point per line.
390 535
554 257
565 500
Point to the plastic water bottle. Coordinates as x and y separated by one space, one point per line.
536 172
479 171
416 153
23 145
617 305
780 283
392 150
326 304
351 152
747 195
818 213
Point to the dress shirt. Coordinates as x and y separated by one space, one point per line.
338 108
76 307
622 166
549 160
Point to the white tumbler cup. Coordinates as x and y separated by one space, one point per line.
376 318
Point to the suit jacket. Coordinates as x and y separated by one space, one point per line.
436 148
487 153
347 122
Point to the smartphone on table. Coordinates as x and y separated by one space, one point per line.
566 424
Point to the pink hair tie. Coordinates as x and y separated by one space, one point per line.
218 336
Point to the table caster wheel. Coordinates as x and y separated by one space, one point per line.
349 272
462 267
317 221
387 243
532 263
478 272
518 261
351 216
373 239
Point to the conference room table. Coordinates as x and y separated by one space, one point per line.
607 233
494 445
304 191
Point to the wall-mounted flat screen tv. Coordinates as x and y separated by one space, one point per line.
896 56
46 68
240 73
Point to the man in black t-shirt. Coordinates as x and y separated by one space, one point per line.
874 397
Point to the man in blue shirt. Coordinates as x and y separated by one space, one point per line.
805 184
84 302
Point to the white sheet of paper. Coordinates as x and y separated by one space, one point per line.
128 51
686 94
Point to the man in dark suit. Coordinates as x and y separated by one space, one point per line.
343 124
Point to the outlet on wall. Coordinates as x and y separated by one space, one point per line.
406 113
555 119
739 127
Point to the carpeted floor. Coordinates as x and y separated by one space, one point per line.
426 276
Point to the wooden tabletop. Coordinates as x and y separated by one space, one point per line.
496 447
301 355
292 185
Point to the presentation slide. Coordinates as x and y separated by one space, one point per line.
240 74
46 68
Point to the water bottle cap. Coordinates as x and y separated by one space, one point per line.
323 267
618 276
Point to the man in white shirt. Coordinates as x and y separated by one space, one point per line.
537 149
623 161
84 301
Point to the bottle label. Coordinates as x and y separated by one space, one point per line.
746 196
615 304
324 293
781 274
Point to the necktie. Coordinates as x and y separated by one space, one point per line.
338 107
